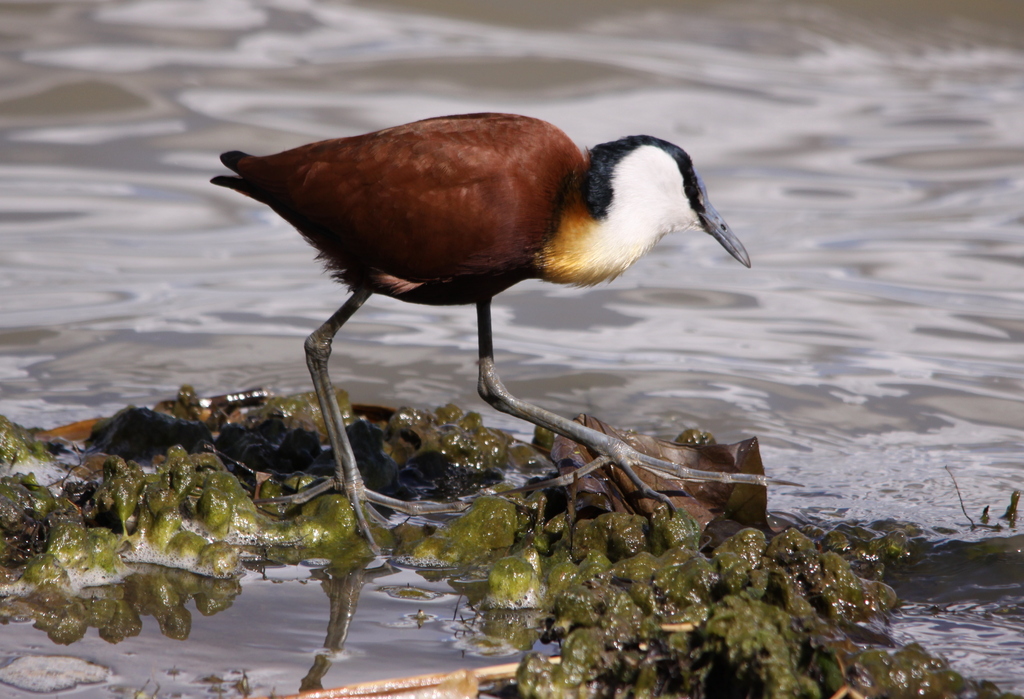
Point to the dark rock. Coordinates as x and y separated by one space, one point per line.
380 472
271 446
141 433
248 447
432 475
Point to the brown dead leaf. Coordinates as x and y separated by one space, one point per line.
75 432
373 413
704 501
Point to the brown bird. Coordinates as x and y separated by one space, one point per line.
456 209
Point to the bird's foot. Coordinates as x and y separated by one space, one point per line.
417 507
628 460
357 495
303 496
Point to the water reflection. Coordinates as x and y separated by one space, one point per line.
342 589
116 611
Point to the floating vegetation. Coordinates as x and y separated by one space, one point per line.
158 509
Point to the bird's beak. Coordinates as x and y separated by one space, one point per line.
715 225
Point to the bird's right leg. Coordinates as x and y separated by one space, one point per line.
624 456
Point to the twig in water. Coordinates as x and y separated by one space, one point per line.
960 498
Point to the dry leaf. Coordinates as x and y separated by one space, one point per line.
705 501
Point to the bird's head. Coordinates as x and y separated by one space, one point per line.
640 188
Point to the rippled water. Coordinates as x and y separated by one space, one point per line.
872 163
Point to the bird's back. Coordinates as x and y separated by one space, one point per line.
436 211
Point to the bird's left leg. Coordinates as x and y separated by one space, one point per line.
347 477
624 456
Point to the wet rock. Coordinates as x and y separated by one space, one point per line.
433 476
379 471
248 447
141 434
271 446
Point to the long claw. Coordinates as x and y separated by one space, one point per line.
301 497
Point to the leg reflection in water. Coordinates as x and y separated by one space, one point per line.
343 592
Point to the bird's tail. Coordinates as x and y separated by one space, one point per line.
230 160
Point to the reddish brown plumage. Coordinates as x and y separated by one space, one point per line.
440 211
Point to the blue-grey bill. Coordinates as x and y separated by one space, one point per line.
715 225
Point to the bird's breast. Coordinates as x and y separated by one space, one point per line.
585 251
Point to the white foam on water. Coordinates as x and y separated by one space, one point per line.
51 673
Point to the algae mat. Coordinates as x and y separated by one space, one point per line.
150 559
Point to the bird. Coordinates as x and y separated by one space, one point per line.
456 209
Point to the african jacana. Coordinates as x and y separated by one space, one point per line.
456 209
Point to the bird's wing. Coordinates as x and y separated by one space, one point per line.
425 201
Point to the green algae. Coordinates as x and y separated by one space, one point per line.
487 528
766 617
300 411
751 647
187 511
24 493
766 620
78 548
759 615
512 584
19 447
617 535
459 437
763 618
909 672
695 437
119 494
